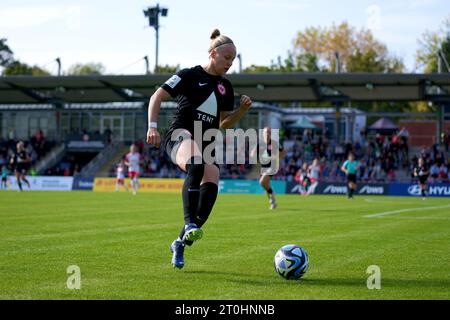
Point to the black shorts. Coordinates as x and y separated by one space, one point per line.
171 146
423 179
351 177
21 168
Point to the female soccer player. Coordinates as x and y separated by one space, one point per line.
5 173
350 167
205 101
21 162
267 173
133 160
120 176
314 175
303 179
421 171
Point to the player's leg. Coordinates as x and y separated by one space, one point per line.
208 195
117 184
136 181
131 180
349 187
423 189
19 182
312 187
264 181
132 183
24 178
189 159
350 190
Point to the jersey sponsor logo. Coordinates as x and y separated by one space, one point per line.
209 107
202 84
173 81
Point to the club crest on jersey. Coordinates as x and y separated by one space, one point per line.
221 89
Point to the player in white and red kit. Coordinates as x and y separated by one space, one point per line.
314 175
133 160
120 176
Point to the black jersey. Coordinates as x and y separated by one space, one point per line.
421 171
201 97
267 154
20 160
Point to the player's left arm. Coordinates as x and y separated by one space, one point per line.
229 118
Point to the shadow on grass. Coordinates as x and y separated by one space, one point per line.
258 280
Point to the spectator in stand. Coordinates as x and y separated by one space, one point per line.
434 171
85 136
404 136
443 173
108 135
39 136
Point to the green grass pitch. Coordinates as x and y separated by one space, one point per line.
121 244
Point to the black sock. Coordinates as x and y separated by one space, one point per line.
351 192
20 185
28 184
423 192
208 196
191 189
269 192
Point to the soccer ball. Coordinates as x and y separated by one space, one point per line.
291 262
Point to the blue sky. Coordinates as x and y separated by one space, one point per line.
116 33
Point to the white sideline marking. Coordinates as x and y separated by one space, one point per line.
381 201
374 215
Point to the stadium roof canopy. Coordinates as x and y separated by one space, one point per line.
266 87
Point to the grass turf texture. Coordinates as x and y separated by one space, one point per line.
121 244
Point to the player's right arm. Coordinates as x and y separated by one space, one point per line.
154 106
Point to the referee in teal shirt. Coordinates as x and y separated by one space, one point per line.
350 167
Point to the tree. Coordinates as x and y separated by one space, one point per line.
358 50
16 68
429 45
168 69
6 54
91 68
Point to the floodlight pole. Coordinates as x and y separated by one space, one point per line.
240 62
440 105
337 105
146 65
157 37
153 14
58 61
